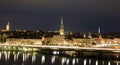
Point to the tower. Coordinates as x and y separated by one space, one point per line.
8 26
61 27
99 31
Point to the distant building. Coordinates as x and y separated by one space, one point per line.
58 39
19 41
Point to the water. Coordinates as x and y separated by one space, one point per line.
58 58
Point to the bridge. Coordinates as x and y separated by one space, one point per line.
76 48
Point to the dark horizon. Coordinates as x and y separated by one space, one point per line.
78 15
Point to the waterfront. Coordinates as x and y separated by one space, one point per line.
58 58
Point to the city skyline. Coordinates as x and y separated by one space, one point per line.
79 16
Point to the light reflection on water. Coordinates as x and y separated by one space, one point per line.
36 58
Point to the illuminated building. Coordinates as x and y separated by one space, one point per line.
59 39
23 41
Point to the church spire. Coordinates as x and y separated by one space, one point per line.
99 31
8 26
61 20
61 27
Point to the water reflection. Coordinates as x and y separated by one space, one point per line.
33 58
109 63
53 59
84 61
96 62
36 58
102 62
43 59
89 61
68 61
0 56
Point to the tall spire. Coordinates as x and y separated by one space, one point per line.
99 31
61 20
61 27
8 23
8 26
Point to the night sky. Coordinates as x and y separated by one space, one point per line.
79 15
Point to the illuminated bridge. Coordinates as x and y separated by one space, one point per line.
63 47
